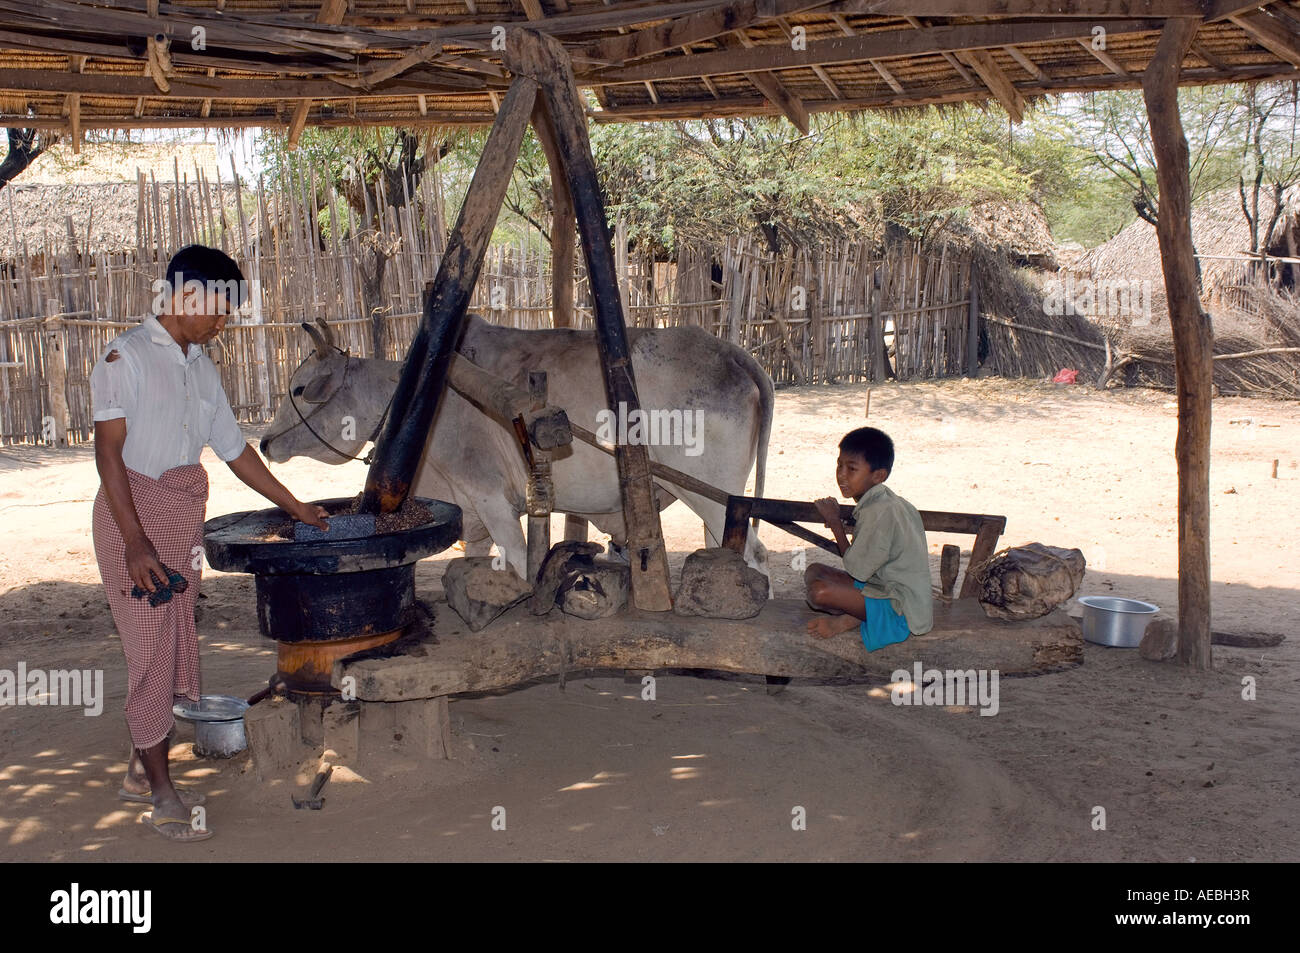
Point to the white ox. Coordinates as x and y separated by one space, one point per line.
476 462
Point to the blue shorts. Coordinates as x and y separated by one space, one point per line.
883 625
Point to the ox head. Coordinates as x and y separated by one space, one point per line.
334 404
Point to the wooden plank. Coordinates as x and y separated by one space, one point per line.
539 55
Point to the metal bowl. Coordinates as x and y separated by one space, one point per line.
218 724
1119 623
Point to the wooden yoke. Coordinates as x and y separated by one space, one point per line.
543 59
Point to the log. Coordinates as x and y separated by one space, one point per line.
520 647
534 55
1193 340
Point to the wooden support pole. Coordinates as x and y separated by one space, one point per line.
973 325
564 225
1193 340
400 447
532 54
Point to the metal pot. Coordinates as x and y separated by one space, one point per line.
218 724
1119 623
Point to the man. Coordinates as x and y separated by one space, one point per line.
157 401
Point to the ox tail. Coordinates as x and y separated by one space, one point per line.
766 401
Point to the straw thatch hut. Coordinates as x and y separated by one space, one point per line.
1222 237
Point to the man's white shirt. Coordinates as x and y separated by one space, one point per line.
173 402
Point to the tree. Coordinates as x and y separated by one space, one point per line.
25 145
371 168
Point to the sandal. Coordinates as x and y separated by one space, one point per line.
188 798
186 833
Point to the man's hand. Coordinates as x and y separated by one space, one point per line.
141 558
310 513
828 509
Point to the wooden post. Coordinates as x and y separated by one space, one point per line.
56 369
973 325
544 58
1193 339
564 224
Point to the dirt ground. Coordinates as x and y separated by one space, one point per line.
715 768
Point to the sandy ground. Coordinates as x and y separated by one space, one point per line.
713 769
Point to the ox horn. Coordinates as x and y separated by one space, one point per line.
327 331
321 347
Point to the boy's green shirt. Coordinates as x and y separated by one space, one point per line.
889 555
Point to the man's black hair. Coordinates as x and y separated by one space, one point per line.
872 445
207 265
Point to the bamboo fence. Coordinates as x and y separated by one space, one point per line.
839 313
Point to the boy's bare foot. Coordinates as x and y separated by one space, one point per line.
824 627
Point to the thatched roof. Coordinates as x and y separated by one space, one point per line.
77 64
1219 231
1018 230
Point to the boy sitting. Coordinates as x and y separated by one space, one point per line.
885 591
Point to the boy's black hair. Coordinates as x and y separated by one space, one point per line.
872 445
207 265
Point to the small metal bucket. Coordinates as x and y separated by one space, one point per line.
218 724
1119 623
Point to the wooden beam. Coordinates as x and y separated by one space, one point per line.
759 106
887 76
771 87
74 122
1199 49
534 54
695 28
1105 58
330 12
198 87
564 223
532 9
882 45
1026 63
1270 33
1193 340
400 446
1079 9
999 84
919 24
